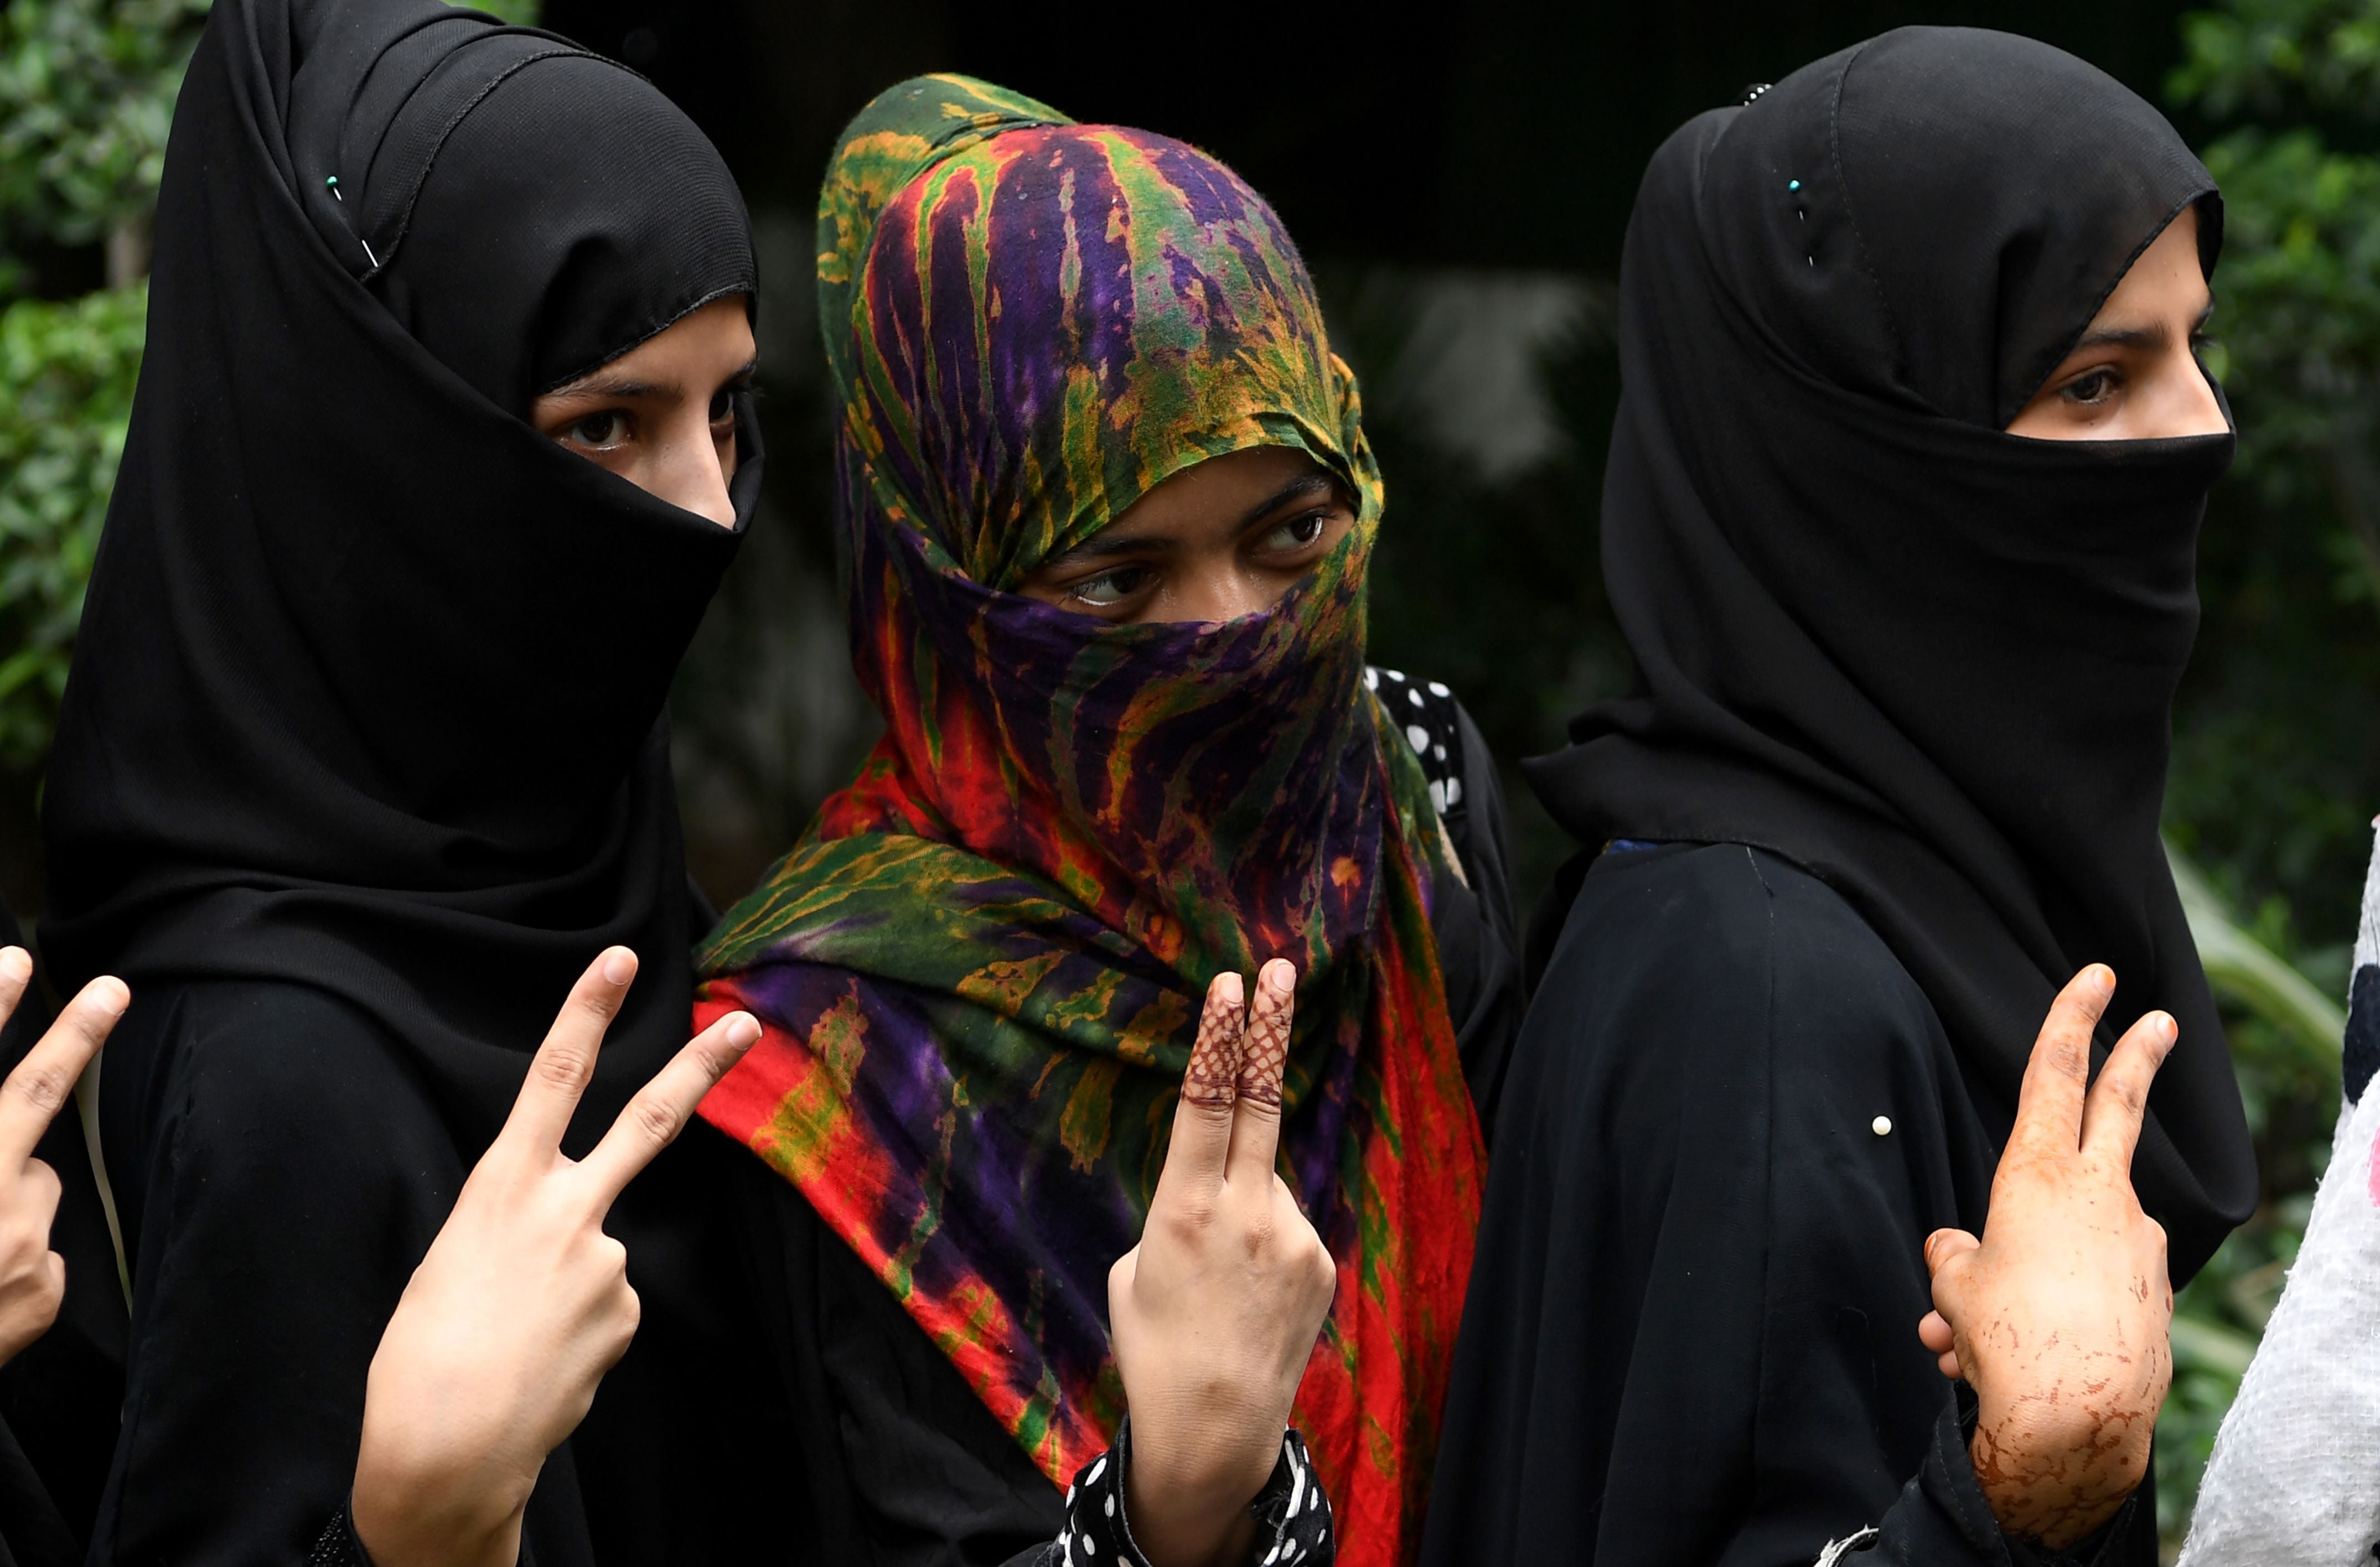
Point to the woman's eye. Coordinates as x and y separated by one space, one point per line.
1297 534
2096 387
723 407
600 430
1109 588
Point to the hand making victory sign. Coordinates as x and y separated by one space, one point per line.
2059 1318
32 1277
523 1302
1216 1311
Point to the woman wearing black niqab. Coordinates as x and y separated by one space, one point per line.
364 758
1892 774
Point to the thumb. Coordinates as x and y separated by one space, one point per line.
1949 1254
1944 1247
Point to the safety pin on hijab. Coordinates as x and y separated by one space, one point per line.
332 181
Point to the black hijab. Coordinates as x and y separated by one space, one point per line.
368 691
1930 662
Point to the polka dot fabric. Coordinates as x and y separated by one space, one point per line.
338 1545
1424 712
1293 1515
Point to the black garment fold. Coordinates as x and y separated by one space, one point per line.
1930 662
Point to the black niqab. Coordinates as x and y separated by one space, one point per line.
369 692
1930 662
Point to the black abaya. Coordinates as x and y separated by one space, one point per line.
1928 661
1691 1334
362 758
1923 668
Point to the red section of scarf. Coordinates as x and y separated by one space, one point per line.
1373 1394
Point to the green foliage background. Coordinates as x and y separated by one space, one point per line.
86 95
2277 735
2278 731
66 370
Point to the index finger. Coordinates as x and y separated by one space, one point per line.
45 1079
559 1072
2111 1116
2049 1105
651 1121
1255 1119
1202 1118
16 974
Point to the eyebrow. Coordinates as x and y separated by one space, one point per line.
1101 547
600 385
2152 339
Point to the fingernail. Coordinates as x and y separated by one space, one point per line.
1280 976
2162 1030
2102 981
1228 989
743 1029
16 962
111 995
619 966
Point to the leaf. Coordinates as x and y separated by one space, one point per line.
2244 970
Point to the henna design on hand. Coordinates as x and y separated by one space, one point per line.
1266 1054
1213 1075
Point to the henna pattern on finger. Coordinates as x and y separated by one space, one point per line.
1266 1057
1214 1071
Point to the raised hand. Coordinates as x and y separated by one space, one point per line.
1216 1311
523 1302
2059 1318
32 1277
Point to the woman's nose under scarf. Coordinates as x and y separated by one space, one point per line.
981 971
1929 661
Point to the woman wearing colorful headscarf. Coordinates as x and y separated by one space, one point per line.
1109 510
1900 520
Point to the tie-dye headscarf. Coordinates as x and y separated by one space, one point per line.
982 969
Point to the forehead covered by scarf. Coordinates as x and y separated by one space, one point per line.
980 973
1046 321
1031 324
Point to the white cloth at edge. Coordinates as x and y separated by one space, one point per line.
2295 1477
